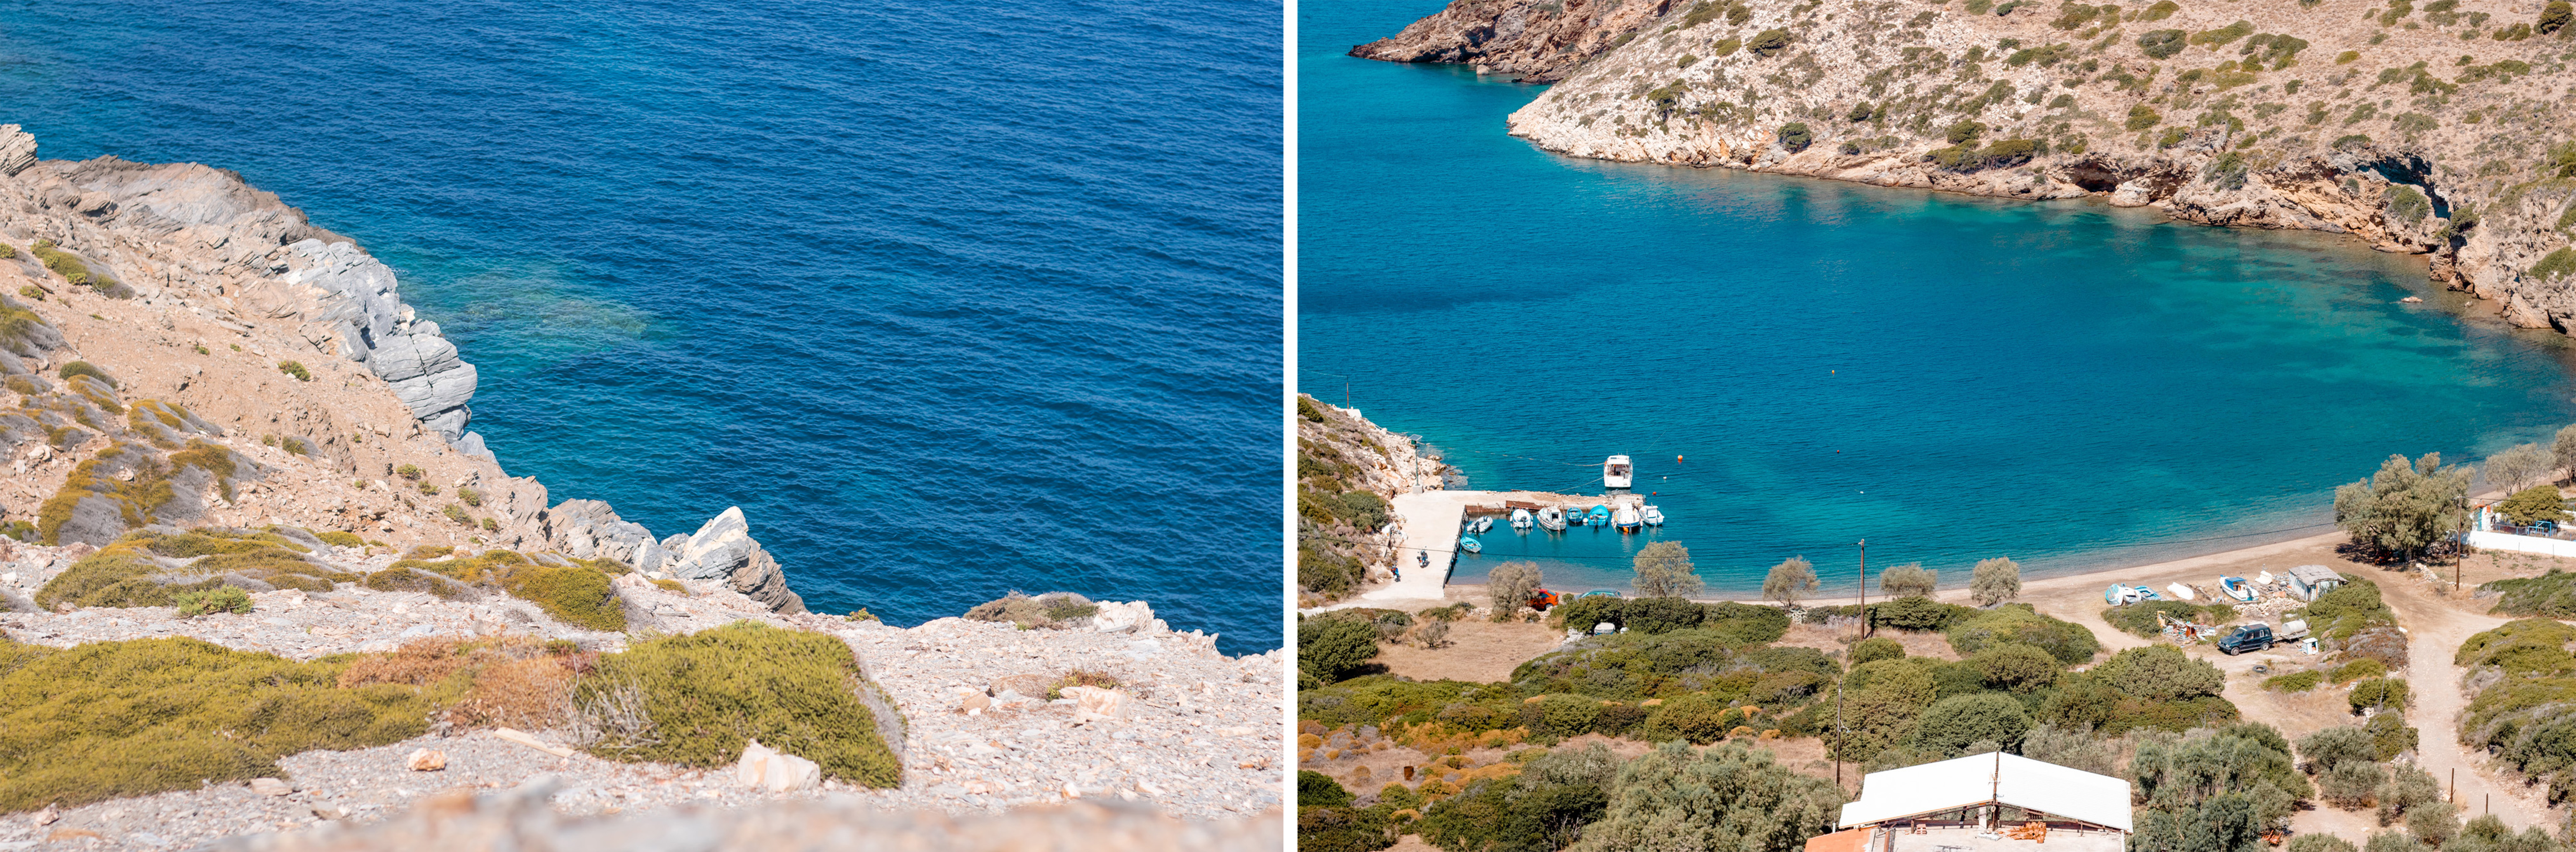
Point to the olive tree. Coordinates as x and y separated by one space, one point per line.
1664 571
1910 580
1790 581
2562 449
1995 581
2405 508
2519 466
1510 584
1728 797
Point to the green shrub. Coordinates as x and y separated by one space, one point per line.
296 369
2359 669
1318 790
470 496
1874 649
2390 736
341 538
1951 724
2554 17
2223 35
408 472
2159 44
573 595
2161 10
109 720
1335 648
2142 117
1768 42
2015 667
706 695
2067 641
1728 797
457 513
73 270
1698 717
85 368
1796 137
2300 682
2558 264
2387 693
1919 613
2406 203
219 599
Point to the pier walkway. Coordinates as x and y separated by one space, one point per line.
1432 522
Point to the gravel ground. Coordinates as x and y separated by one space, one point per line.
1198 738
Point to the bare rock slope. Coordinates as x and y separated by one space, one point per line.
2437 130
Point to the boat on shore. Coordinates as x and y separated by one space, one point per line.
2182 592
1469 544
1521 519
1627 519
2235 587
1552 519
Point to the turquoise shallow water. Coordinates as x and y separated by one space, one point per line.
1948 377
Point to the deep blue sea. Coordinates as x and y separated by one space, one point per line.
1800 365
951 298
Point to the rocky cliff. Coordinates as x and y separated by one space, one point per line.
328 403
2437 130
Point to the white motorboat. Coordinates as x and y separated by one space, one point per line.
1627 519
1617 474
1521 519
1552 519
1654 516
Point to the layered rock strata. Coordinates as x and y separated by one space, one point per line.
205 296
2438 132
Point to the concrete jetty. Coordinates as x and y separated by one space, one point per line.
1433 520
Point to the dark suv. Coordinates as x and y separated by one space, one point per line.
2251 637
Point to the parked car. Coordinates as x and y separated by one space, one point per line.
2249 637
1541 599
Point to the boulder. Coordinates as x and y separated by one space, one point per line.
426 760
590 529
17 150
1096 703
765 768
723 549
376 328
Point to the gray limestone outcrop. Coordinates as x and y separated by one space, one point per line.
723 548
377 329
17 150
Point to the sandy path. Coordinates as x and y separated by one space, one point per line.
2435 628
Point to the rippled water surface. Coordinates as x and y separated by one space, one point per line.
1799 365
952 299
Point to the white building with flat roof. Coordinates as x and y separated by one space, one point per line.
1983 803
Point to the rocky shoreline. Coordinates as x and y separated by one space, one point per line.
2432 133
188 357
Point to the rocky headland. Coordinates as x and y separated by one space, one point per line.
231 447
2433 129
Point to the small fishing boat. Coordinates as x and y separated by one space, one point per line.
1521 519
1552 519
2144 594
1469 544
2116 595
1598 515
2263 579
1617 474
2235 587
2182 592
1654 516
1628 519
1482 526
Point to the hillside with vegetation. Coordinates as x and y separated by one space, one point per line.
2430 128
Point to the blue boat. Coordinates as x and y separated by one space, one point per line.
2116 595
1469 544
1599 516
